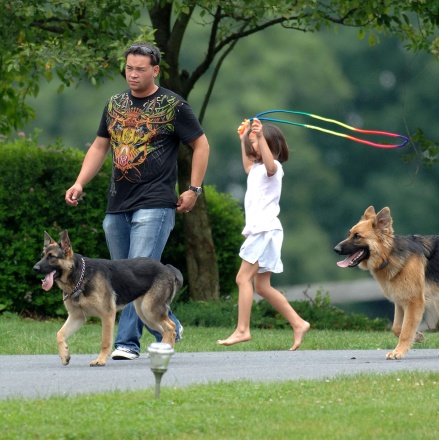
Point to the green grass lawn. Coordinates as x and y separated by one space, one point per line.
18 336
403 405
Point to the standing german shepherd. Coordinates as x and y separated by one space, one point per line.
95 287
406 267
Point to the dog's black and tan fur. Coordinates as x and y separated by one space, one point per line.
406 268
97 287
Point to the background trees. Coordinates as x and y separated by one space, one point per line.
79 40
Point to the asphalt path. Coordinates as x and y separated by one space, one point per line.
42 376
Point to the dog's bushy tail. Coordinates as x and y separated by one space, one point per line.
178 277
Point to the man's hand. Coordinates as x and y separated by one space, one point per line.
73 194
186 201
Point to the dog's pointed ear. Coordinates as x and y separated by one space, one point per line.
369 213
48 240
64 242
384 221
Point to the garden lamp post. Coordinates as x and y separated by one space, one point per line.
159 356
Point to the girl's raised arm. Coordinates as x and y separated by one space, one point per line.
243 131
264 149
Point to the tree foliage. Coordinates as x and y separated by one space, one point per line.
72 40
80 39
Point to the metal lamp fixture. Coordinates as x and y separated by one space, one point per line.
159 355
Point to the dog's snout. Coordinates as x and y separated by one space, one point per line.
37 268
337 249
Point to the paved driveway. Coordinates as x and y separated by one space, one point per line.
41 376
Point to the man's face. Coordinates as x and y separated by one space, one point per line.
140 75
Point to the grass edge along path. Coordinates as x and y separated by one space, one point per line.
32 337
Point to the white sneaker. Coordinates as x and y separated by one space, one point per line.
123 354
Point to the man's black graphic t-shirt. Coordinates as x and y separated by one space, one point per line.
144 135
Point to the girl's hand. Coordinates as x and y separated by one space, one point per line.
257 127
244 128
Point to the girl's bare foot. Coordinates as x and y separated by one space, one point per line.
235 338
299 333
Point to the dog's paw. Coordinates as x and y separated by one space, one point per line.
97 363
65 360
394 355
419 338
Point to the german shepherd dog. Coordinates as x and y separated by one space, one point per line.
406 268
97 287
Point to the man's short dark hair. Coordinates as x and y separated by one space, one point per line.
144 49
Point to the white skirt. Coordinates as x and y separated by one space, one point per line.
265 248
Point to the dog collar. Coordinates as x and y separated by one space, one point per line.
77 290
383 264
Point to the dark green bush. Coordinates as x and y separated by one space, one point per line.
325 316
34 180
226 221
319 312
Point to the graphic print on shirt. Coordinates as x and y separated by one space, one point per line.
135 132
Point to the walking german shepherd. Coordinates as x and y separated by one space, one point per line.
406 267
96 287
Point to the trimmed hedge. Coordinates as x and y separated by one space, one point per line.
34 180
226 221
318 311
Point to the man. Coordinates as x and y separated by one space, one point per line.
143 127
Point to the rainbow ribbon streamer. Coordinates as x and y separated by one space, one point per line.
405 139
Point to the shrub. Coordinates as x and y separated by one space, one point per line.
227 222
226 219
34 181
318 311
31 201
325 316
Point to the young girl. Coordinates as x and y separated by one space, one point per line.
264 148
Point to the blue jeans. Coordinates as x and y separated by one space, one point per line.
141 233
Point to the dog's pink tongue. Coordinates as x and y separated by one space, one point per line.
48 281
346 262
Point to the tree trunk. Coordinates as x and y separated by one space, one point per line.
202 265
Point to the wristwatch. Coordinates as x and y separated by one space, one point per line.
196 189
